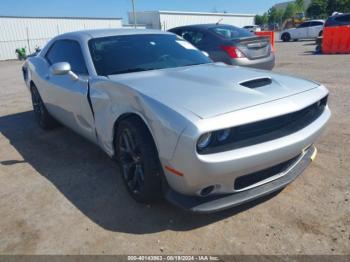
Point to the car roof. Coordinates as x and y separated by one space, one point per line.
338 14
97 33
316 20
201 26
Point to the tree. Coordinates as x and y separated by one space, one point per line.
325 8
259 20
332 6
272 15
265 19
317 9
299 6
279 16
342 6
289 11
275 16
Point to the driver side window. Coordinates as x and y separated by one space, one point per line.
67 51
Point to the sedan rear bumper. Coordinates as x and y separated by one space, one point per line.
221 202
266 63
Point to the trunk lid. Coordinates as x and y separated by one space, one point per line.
254 47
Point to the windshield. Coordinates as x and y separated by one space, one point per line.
231 32
135 53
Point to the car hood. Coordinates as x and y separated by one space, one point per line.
213 89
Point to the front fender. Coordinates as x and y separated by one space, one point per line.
110 101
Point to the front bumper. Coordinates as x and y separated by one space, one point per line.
220 202
224 168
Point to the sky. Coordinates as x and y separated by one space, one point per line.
119 8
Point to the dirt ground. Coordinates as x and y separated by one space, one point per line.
62 195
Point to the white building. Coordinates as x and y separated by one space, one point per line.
169 19
31 32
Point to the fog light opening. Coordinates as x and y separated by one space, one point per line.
207 191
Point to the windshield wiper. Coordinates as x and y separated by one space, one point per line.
130 70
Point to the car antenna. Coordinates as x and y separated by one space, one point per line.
218 22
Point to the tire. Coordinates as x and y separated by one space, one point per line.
42 116
138 160
286 37
318 49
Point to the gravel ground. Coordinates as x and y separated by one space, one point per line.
62 195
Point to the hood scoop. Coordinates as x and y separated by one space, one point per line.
255 83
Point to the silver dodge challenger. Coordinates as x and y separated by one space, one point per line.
206 136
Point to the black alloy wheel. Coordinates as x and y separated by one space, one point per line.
138 160
131 162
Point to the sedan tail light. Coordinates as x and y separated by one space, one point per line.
233 51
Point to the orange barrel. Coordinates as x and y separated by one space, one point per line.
336 40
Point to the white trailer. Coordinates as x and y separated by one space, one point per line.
165 20
31 32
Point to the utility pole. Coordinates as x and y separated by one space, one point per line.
27 31
134 13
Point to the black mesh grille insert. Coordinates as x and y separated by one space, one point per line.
269 129
253 178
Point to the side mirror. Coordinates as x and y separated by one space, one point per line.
63 68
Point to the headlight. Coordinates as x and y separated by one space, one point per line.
214 139
204 141
223 135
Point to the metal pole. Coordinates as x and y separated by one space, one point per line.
134 13
28 40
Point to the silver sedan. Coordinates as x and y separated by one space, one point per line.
207 136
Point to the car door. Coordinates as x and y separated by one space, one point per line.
67 97
314 29
301 31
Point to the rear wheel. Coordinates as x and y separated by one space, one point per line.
138 160
43 117
286 37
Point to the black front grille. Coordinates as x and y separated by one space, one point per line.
269 129
253 178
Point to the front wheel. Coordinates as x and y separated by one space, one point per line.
138 160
